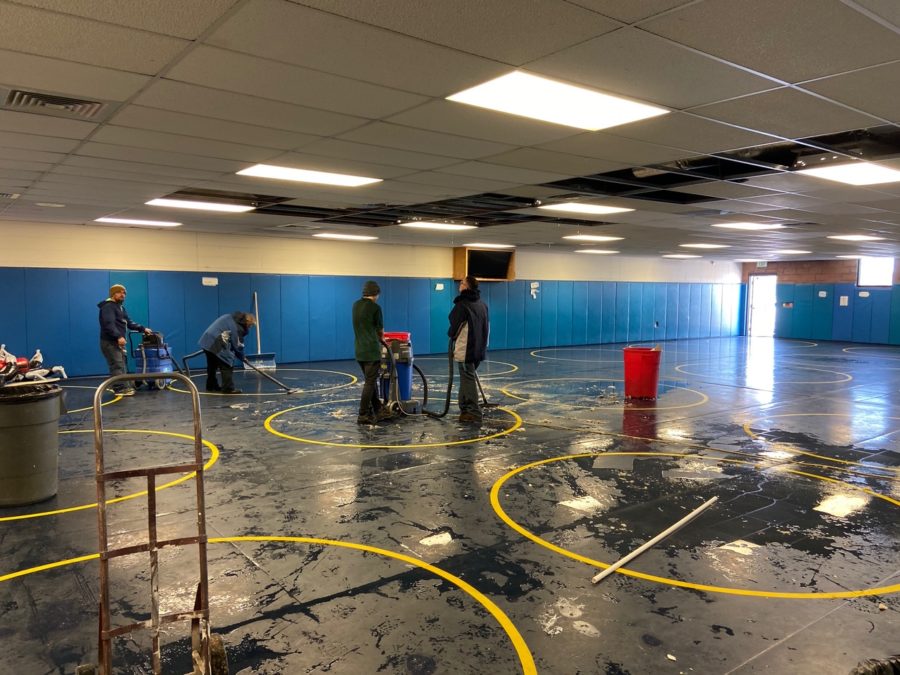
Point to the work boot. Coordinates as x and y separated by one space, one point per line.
383 414
471 418
365 419
213 387
232 391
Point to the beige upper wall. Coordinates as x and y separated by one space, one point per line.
94 247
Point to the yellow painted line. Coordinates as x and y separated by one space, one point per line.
353 380
498 509
213 457
517 422
526 661
631 404
536 354
847 377
512 366
90 407
787 448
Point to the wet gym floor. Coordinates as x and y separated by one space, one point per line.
424 545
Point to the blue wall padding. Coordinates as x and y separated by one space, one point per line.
307 318
881 315
784 315
842 317
894 329
822 309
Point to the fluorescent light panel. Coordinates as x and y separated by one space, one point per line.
791 251
578 207
306 176
200 206
480 245
347 237
431 225
854 173
710 246
597 251
539 98
681 256
591 237
855 237
134 221
749 226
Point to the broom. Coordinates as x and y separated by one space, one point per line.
259 361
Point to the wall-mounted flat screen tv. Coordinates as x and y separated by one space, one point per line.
485 265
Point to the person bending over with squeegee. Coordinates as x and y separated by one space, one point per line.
223 342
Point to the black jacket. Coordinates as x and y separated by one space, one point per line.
469 326
114 321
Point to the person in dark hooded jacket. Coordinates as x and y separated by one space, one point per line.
469 327
114 326
223 343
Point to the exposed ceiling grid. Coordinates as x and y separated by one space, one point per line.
195 92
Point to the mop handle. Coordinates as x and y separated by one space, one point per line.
658 538
256 313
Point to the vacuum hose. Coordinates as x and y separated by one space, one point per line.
449 384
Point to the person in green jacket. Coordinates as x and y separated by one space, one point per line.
368 330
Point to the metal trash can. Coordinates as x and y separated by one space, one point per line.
29 442
641 372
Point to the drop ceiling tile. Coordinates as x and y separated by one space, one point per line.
787 112
465 120
63 36
19 165
737 206
155 140
887 10
723 189
19 176
634 63
476 185
786 181
834 37
419 140
871 90
78 162
629 11
221 69
44 125
269 29
31 155
31 142
786 201
545 160
848 193
205 127
60 171
331 147
225 105
170 17
615 149
159 157
508 174
691 133
498 30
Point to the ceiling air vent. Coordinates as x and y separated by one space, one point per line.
53 104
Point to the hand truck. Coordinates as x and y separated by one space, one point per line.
207 650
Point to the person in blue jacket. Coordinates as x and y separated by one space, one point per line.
469 328
114 326
223 342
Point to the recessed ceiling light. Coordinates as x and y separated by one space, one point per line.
536 97
480 245
597 251
749 226
591 237
791 251
855 237
133 221
704 246
746 260
348 237
200 206
850 257
854 173
431 225
577 207
306 176
681 256
50 205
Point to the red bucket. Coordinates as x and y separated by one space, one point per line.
641 372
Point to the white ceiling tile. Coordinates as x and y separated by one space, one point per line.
498 30
871 90
31 155
691 133
226 105
545 160
44 125
634 63
476 185
793 41
18 164
887 10
62 36
346 150
269 29
171 17
787 112
221 69
79 162
465 120
156 140
159 157
420 140
615 149
206 127
9 139
629 11
510 174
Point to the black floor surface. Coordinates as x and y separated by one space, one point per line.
422 546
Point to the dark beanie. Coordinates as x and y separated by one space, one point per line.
371 289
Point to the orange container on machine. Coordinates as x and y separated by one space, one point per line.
641 372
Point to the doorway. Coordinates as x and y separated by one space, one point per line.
761 318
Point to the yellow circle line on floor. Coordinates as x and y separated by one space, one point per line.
522 651
847 377
495 503
90 407
512 366
756 437
631 406
213 457
895 357
536 355
268 426
353 380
